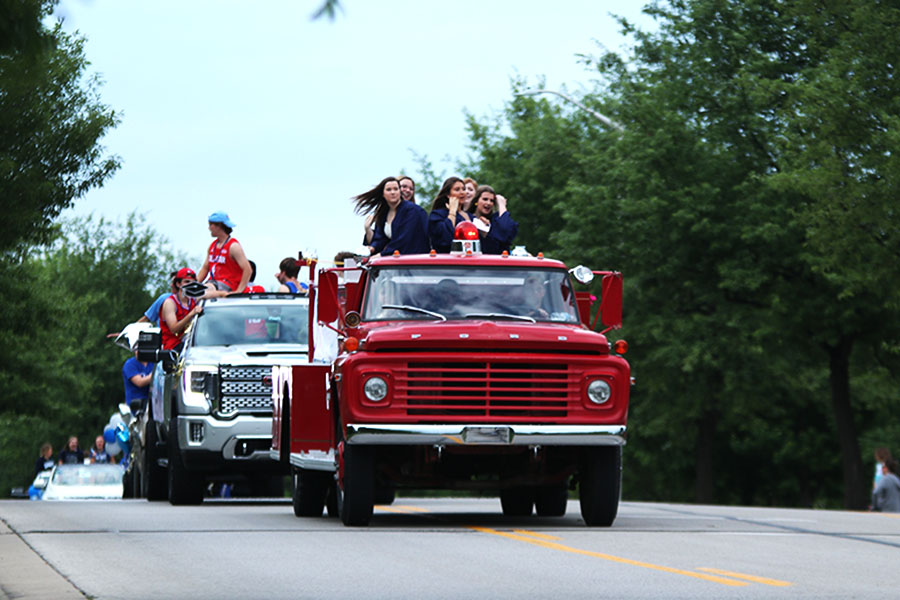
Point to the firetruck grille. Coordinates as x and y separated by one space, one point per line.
245 390
487 389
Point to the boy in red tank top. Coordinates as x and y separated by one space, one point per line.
226 266
177 310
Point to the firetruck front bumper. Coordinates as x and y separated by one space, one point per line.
493 434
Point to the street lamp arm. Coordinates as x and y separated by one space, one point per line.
603 119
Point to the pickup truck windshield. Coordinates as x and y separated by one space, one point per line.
262 324
491 293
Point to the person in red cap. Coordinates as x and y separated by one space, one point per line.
226 265
178 310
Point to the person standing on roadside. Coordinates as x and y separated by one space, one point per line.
226 265
99 453
45 459
886 497
71 454
882 455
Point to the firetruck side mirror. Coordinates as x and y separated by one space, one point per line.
327 297
611 302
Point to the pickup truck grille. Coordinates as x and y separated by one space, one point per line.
526 390
245 390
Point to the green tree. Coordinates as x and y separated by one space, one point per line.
59 372
51 122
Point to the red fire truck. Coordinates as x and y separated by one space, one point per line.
457 371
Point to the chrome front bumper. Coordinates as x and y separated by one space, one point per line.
487 434
204 433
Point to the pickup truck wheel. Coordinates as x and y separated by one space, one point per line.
551 500
153 477
185 487
600 475
333 498
359 485
310 489
517 501
131 483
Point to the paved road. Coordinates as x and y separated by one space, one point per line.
430 548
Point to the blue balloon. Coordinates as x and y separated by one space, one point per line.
121 434
109 434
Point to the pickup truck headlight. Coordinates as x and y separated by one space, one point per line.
198 381
375 389
198 387
598 391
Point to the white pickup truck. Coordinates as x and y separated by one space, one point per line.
210 411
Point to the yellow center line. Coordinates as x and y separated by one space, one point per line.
406 510
542 536
754 578
610 557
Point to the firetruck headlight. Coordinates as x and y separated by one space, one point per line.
375 389
598 391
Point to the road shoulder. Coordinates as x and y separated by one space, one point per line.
26 575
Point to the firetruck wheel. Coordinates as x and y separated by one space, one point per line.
551 500
359 485
517 501
310 488
185 487
385 494
153 477
600 475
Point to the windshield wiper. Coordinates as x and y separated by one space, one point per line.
415 309
499 316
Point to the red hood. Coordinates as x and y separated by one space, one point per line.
475 334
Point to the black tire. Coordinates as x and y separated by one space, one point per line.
600 476
284 450
517 501
185 487
333 499
385 494
310 490
359 485
154 481
131 483
551 500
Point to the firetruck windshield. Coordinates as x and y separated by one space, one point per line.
491 293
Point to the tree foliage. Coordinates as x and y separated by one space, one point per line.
749 202
60 374
51 122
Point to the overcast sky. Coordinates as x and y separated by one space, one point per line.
252 108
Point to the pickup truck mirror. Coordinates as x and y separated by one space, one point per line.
148 345
327 297
611 300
